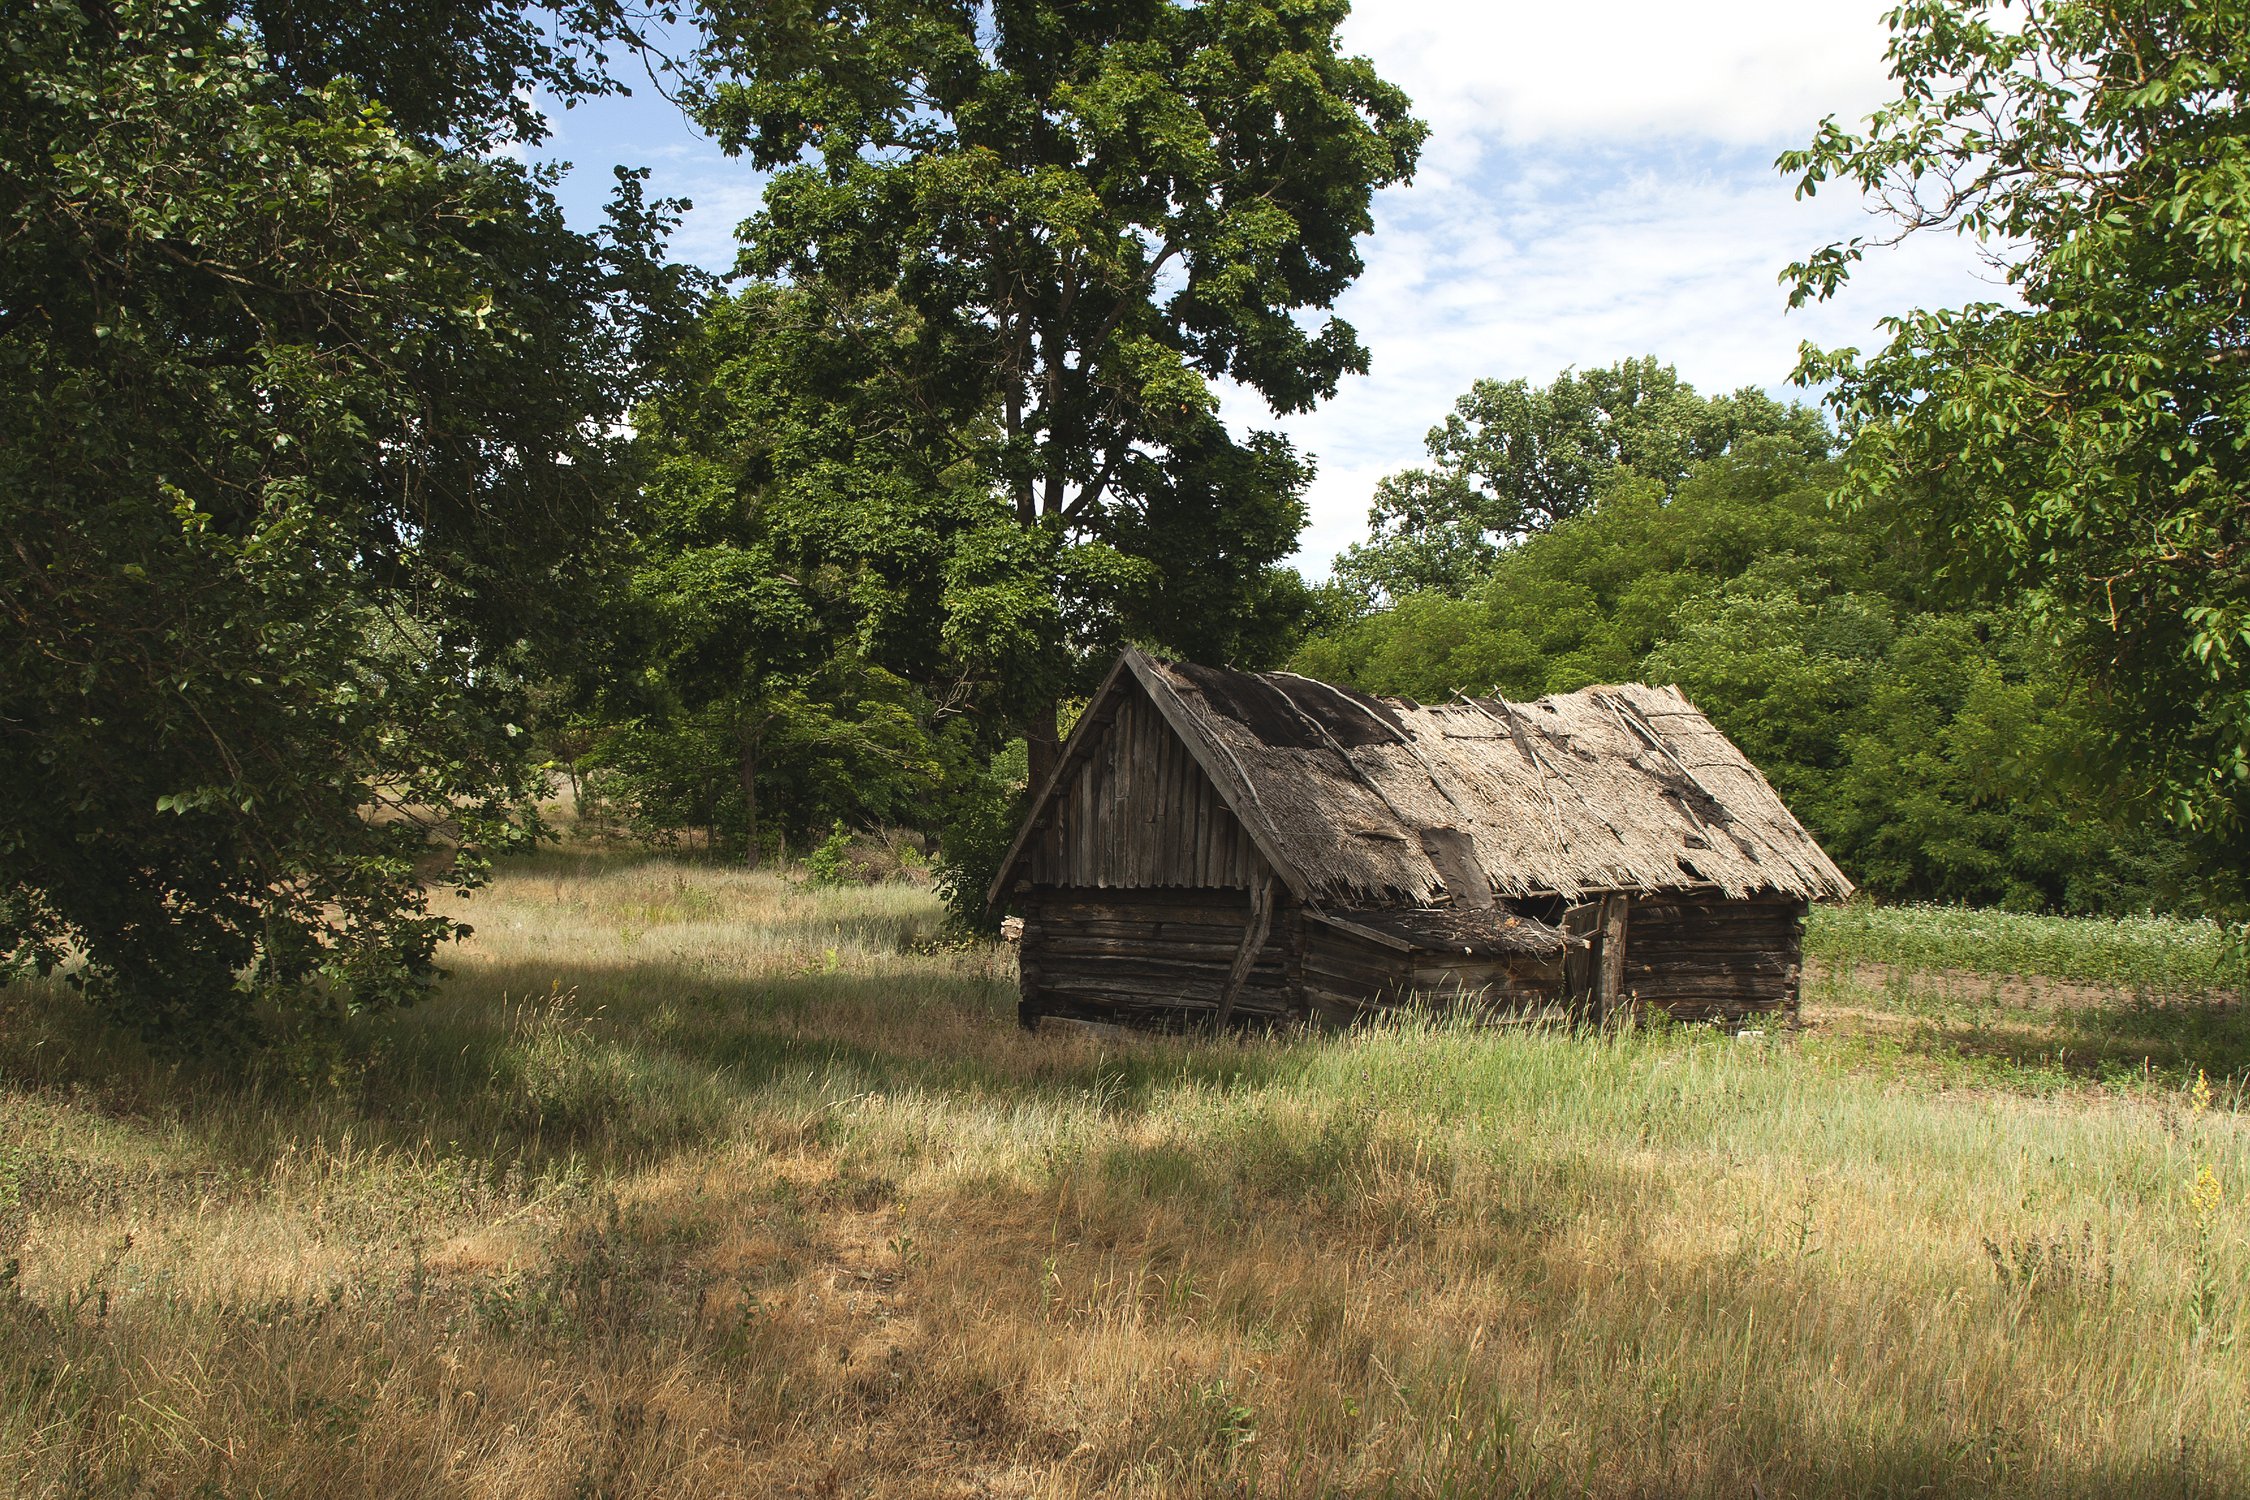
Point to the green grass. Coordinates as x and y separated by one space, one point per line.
2152 954
696 1182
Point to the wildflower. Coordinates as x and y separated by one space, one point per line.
2199 1097
2205 1197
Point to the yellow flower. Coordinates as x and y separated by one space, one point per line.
2199 1097
2205 1196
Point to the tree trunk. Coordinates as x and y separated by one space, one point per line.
749 773
1044 744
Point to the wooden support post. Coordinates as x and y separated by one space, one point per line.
1609 981
1027 975
1253 941
1293 962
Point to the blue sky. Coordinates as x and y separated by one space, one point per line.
1598 184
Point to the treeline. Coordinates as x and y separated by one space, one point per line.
1617 526
1612 525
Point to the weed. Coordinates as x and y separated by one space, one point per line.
2054 1264
829 863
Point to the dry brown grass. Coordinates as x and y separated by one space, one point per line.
693 1182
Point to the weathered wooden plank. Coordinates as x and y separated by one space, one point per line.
1083 832
1213 934
1196 822
1166 811
1145 988
1224 908
1253 938
1362 933
1165 936
1711 990
1657 979
1348 976
1662 908
1157 989
1293 957
1675 949
1134 800
1609 977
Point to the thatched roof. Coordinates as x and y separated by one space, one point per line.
1359 801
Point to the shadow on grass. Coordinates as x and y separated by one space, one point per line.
2139 1040
539 1063
2126 1041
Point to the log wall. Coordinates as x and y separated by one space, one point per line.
1344 975
1153 957
1714 959
1347 977
1138 812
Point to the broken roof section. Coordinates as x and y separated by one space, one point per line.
1360 801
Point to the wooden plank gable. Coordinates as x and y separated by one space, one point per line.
1136 810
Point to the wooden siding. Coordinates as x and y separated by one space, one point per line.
1149 957
1345 975
1138 812
1161 956
1346 978
1714 959
1506 984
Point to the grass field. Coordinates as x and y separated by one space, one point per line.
694 1182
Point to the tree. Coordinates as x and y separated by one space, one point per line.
460 72
308 448
1092 211
2083 450
1512 459
807 557
1916 737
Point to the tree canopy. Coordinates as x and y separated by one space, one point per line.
2082 449
809 599
1091 212
1918 735
1512 458
310 428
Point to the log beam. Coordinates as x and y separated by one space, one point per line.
1253 940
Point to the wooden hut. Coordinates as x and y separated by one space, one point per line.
1260 846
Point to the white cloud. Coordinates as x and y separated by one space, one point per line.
1731 71
1599 185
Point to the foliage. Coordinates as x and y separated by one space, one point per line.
2084 448
1087 214
306 453
828 865
977 818
811 607
850 742
1512 458
465 72
1920 740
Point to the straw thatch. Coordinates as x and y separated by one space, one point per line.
1361 802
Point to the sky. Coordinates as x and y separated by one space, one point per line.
1598 185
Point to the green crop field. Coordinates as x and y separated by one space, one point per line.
698 1182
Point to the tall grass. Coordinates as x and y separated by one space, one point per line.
696 1182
